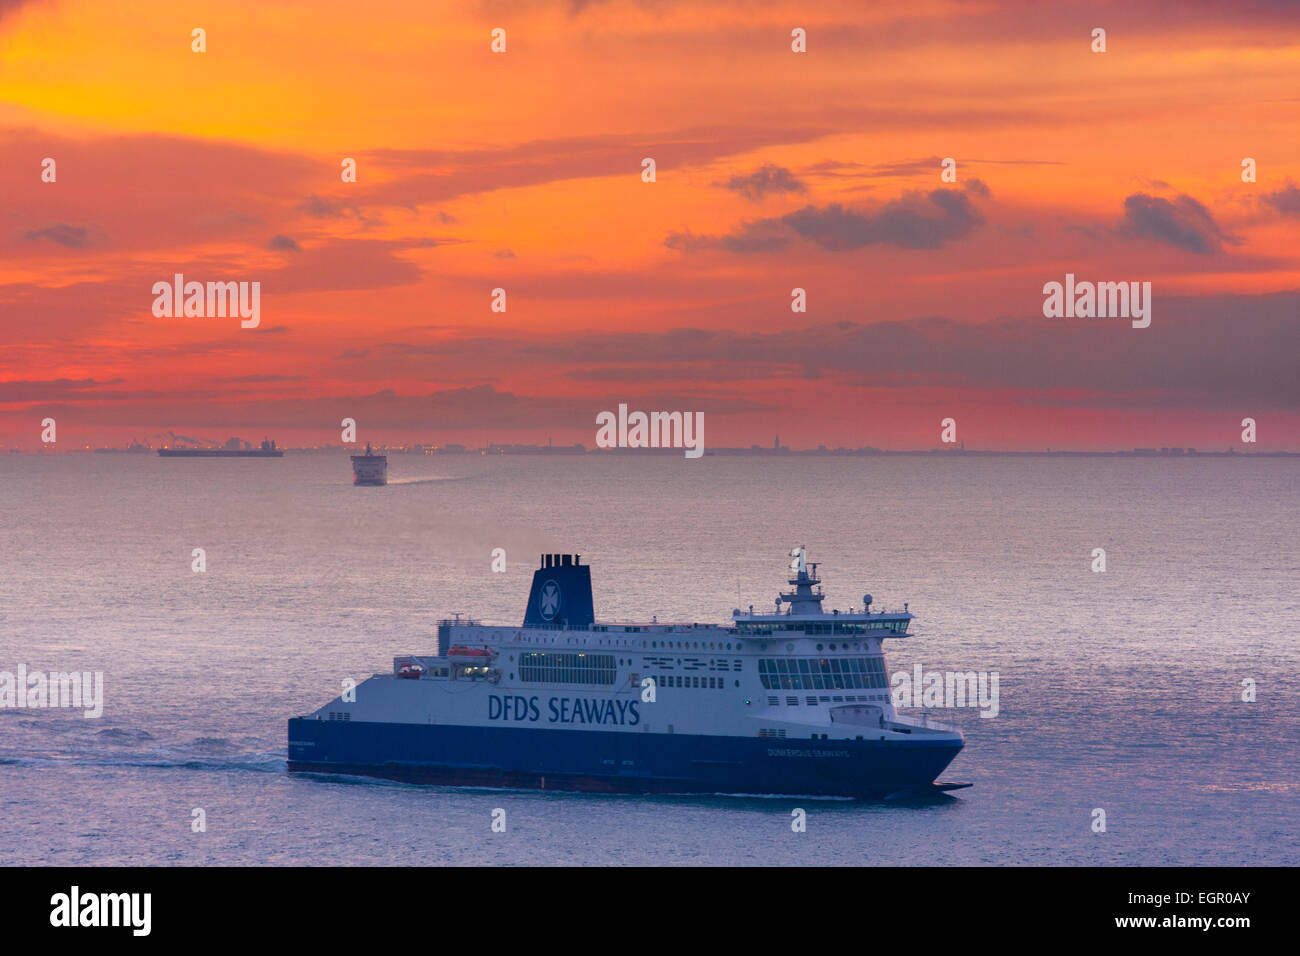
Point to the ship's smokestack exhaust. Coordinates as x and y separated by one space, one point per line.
561 594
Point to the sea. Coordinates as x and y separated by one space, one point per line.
1148 714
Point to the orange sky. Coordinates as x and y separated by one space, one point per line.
775 170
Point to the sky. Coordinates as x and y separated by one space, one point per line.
774 170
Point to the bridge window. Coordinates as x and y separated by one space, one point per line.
822 673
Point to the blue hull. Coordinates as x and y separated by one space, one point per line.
605 762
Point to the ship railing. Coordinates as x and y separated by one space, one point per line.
926 721
466 622
867 613
556 627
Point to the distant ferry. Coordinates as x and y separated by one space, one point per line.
369 469
231 449
792 702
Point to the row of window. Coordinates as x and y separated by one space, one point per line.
812 701
892 626
689 645
690 663
690 680
767 627
821 673
541 667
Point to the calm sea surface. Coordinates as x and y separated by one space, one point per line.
1118 691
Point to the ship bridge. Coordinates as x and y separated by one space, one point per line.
801 610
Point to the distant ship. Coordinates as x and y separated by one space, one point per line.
135 448
231 449
787 702
369 469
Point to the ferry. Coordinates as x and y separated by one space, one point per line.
369 469
794 701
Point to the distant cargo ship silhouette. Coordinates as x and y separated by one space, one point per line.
135 448
232 449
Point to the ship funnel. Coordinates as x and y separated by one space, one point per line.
561 593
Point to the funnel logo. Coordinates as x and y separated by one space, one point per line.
549 600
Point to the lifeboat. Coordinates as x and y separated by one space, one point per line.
411 672
459 651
